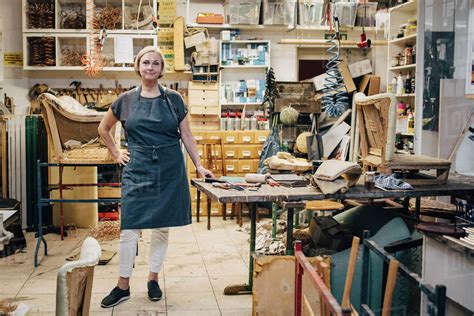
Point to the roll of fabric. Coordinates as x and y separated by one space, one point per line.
256 178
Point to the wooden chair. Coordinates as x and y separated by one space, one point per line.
62 126
375 137
74 281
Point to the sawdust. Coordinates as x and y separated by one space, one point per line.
106 231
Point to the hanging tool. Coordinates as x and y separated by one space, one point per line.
335 100
364 42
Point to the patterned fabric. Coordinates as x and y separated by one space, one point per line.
391 183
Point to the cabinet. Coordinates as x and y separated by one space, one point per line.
58 33
402 46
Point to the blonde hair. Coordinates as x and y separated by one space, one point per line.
149 49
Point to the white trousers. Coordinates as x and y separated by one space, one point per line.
128 249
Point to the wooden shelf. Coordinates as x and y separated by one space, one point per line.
403 40
243 67
402 67
270 28
409 6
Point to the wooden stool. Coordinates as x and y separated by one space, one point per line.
322 206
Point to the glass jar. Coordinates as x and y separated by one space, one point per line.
395 61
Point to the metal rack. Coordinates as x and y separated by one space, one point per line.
61 186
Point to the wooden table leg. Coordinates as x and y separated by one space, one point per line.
198 205
289 232
208 213
246 288
224 212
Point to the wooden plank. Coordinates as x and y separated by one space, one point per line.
274 283
364 146
307 309
178 35
350 273
367 126
390 288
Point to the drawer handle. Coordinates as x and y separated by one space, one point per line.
230 168
246 168
246 139
230 153
230 139
262 138
198 137
246 153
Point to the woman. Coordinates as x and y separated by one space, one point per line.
155 190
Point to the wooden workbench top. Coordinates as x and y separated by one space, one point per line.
456 186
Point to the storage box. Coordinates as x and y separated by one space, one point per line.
279 12
346 12
365 15
242 11
210 19
310 12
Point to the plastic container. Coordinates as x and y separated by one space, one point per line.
346 12
310 12
365 15
279 12
242 11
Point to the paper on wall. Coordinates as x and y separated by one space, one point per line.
123 49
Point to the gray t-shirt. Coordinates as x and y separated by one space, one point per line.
149 124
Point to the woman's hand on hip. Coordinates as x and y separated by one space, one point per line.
122 158
205 173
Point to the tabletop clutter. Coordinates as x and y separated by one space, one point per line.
329 176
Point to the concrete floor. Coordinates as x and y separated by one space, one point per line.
199 265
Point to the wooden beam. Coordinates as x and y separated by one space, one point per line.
178 33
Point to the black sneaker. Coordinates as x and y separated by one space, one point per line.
115 297
154 292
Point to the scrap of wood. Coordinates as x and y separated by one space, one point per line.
350 272
178 34
390 288
340 119
460 138
364 146
333 137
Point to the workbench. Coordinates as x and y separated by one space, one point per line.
291 198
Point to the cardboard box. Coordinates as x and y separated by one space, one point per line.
360 68
319 81
370 83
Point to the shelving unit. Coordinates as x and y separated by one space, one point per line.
243 63
74 39
396 45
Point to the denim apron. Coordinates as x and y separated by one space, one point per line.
155 189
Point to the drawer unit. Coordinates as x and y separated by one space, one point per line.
230 137
207 110
246 137
231 151
231 166
193 192
201 94
261 136
199 135
213 135
246 166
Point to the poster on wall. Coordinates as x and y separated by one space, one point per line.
470 55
